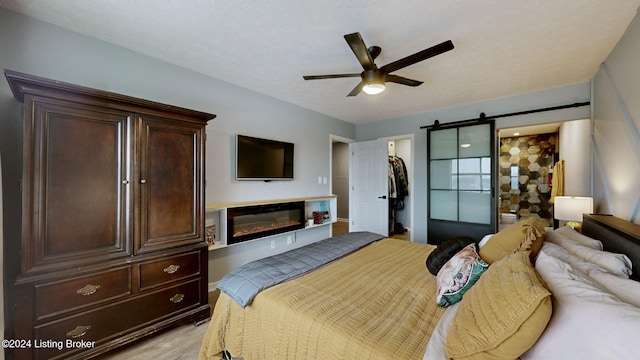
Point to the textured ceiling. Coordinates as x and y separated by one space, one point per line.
502 47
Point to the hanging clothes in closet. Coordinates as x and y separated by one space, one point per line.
398 189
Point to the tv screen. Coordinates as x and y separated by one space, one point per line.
263 159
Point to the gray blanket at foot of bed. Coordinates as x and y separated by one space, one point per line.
245 282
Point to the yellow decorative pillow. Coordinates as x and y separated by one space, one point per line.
522 236
503 314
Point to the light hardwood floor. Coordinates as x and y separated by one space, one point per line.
176 343
342 227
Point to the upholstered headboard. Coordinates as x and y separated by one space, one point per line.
617 235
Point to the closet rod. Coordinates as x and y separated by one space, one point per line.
483 117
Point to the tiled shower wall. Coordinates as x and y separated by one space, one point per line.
534 158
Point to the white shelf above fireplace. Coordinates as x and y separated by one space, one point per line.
216 214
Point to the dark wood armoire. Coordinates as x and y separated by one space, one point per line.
111 247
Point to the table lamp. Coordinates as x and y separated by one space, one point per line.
571 208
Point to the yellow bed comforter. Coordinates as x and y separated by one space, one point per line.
377 303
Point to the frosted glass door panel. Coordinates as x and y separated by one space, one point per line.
475 174
445 145
447 208
485 162
475 207
469 166
476 141
470 182
486 182
443 174
475 182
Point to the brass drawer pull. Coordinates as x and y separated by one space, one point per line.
88 290
79 331
176 298
171 269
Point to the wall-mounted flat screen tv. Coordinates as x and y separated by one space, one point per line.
263 159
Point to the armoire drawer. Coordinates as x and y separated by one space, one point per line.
158 272
113 194
103 324
71 295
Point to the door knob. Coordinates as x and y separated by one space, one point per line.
382 197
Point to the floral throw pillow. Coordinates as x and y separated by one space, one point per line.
458 275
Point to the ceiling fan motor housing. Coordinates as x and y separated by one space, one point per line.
374 77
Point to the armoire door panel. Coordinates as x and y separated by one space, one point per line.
111 246
76 184
169 184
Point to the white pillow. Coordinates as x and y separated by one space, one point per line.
564 255
626 289
587 322
436 346
571 234
617 264
484 240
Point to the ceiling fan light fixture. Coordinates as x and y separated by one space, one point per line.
373 82
373 88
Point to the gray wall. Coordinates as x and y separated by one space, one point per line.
616 120
411 125
575 150
37 48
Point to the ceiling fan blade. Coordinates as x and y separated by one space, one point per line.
356 90
419 56
334 76
403 80
360 50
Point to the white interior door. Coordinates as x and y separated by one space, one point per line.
369 187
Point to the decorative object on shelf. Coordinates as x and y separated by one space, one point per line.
210 234
323 208
571 208
317 217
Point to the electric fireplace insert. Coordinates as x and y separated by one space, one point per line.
256 221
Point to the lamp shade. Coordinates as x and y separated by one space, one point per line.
571 208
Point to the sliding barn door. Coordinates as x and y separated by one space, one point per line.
461 163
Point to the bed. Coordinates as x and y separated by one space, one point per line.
378 300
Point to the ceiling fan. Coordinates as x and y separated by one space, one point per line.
374 78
